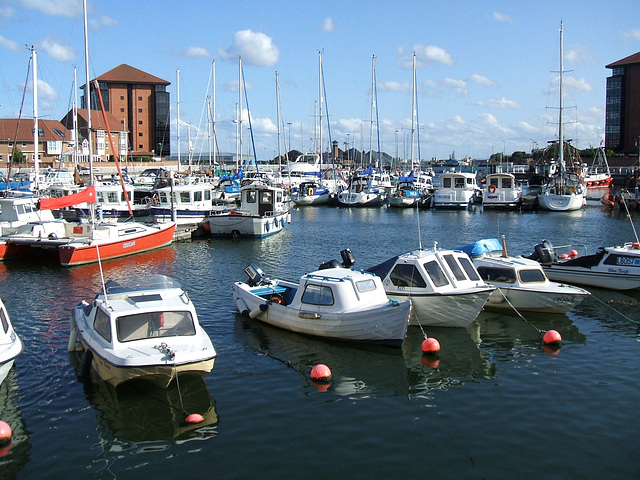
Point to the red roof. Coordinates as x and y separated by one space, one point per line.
25 130
127 74
630 60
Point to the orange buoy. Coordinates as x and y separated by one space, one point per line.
573 253
5 432
321 373
430 345
194 418
552 337
564 256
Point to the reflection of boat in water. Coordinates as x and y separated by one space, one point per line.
15 454
143 412
500 331
366 370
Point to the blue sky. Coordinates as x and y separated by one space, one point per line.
487 71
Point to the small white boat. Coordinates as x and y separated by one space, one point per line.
361 193
310 192
502 192
522 283
444 287
148 330
615 268
10 344
457 190
262 212
406 193
191 202
333 302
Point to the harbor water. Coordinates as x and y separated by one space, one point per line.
494 405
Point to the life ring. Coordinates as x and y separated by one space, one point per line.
279 299
492 188
310 192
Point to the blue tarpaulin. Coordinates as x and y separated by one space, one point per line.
481 247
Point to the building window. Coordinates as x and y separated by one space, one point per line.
140 147
121 97
139 99
139 110
139 122
122 110
140 134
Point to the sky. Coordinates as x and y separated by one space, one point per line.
487 72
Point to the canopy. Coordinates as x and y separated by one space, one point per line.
88 195
481 247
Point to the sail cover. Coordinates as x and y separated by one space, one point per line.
88 195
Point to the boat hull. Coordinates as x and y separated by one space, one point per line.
459 309
243 225
385 324
597 277
159 375
561 203
559 300
82 252
348 199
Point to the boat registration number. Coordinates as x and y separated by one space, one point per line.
628 261
129 244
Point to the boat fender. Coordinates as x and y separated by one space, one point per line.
85 363
275 222
73 335
256 312
492 188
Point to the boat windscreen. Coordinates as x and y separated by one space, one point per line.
382 269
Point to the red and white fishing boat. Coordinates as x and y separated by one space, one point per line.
77 243
598 174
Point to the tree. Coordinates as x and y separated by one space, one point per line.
18 156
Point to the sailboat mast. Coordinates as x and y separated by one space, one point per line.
413 112
278 120
373 74
75 116
88 93
213 114
178 112
36 162
561 119
240 107
320 101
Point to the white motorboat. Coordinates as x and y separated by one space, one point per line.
262 212
10 344
148 330
502 192
333 302
444 287
189 203
522 283
457 190
361 193
310 192
18 211
615 268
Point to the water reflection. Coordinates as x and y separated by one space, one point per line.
139 412
364 371
14 455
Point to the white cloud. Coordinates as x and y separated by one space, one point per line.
501 17
45 91
328 25
393 86
6 12
579 54
459 86
65 8
503 103
57 51
632 34
482 80
197 52
577 84
255 48
424 56
7 44
99 24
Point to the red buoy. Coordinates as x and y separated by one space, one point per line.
194 418
5 432
430 345
552 337
321 373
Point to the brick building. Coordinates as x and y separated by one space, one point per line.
622 122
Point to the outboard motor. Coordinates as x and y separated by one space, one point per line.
330 264
255 274
348 260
